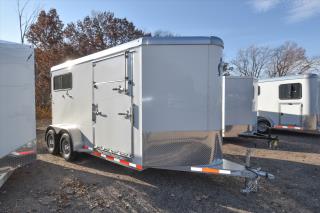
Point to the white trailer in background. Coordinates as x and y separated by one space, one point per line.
17 107
149 103
290 102
238 105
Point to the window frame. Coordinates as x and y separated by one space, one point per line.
61 76
291 98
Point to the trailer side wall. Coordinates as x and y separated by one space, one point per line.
17 97
181 104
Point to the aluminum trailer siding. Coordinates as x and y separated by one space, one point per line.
238 105
17 107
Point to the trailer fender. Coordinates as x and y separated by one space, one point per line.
260 118
72 130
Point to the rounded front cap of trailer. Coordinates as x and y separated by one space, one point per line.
196 40
185 40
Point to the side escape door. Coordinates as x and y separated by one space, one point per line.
291 114
290 111
112 104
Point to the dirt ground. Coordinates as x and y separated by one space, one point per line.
51 184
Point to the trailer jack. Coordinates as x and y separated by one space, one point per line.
251 183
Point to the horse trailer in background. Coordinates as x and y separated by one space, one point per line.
148 103
17 107
238 105
290 102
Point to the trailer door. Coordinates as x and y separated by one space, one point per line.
112 107
290 114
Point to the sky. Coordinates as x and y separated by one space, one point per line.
240 23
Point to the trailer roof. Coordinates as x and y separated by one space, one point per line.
290 77
239 77
10 44
193 40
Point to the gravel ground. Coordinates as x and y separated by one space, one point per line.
51 184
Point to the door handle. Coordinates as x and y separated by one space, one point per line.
98 113
119 89
126 114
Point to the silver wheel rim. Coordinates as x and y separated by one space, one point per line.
66 147
50 142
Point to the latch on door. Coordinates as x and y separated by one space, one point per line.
119 89
126 114
96 112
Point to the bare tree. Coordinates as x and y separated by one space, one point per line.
309 65
162 33
252 61
288 58
25 21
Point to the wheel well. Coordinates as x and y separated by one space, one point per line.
264 119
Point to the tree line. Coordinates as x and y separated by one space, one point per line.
56 43
263 61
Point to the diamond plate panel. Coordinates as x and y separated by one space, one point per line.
180 148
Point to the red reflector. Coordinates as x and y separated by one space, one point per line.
96 153
26 153
110 158
124 162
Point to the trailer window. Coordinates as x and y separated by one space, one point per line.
62 81
290 91
259 90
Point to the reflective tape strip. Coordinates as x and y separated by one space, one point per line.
124 162
96 153
227 172
196 169
132 165
210 170
288 127
23 153
111 158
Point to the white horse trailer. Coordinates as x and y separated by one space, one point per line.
17 107
239 107
290 102
149 103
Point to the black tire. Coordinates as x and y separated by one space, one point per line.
52 143
66 147
263 126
